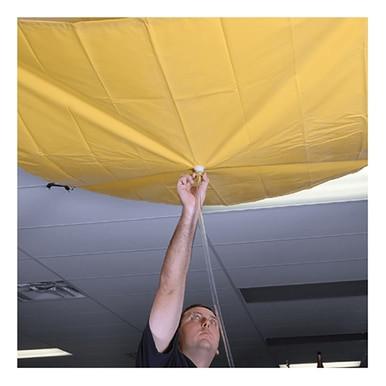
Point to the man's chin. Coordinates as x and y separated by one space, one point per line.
205 342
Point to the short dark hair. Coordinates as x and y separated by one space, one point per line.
192 306
198 305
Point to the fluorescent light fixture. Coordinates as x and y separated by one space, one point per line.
352 187
40 353
325 364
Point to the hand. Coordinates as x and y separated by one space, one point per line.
192 197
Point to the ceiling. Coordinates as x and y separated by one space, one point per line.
291 275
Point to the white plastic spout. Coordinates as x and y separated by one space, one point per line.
199 169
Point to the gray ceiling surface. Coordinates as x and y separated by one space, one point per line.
111 250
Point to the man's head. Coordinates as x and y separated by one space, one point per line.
199 330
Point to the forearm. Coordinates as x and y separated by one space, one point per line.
176 263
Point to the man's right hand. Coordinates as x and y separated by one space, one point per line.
192 197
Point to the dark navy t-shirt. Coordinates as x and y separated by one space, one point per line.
148 356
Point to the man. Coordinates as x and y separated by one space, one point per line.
172 339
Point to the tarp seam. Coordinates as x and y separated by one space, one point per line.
93 67
263 185
45 155
88 145
147 28
290 164
243 127
298 95
31 49
235 79
135 180
86 100
38 150
102 83
217 194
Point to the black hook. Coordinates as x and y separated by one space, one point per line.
51 184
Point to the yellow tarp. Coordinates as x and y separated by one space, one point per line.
125 106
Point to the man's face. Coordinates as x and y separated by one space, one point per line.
199 329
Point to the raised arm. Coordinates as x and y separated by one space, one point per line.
168 302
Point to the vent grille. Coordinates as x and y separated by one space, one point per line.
47 290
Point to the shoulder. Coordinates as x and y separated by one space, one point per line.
148 355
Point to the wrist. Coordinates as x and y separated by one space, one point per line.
190 212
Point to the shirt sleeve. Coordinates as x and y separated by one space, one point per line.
147 354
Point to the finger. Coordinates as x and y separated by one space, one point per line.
182 181
205 179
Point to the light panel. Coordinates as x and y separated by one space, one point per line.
40 353
325 364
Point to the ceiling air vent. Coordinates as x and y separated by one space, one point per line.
47 290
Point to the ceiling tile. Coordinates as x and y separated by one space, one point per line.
25 179
72 337
287 222
299 273
62 320
22 256
59 307
78 239
41 206
143 284
283 252
118 264
31 271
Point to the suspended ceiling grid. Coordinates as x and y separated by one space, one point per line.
112 250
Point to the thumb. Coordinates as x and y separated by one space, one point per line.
203 188
204 181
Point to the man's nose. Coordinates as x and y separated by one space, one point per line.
205 322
